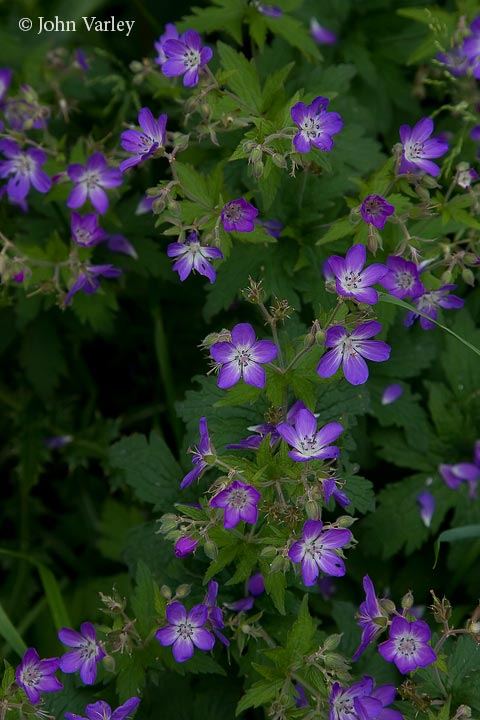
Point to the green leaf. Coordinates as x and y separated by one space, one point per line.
41 356
196 185
223 16
239 394
455 535
9 632
360 492
339 229
149 468
143 600
260 693
275 586
300 637
244 82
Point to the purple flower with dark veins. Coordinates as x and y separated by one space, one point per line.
471 48
119 244
201 454
455 61
271 227
320 34
407 646
362 702
391 394
87 653
102 711
371 618
194 256
5 79
330 490
239 502
90 180
419 148
238 215
88 280
143 145
429 302
316 551
35 676
454 475
171 33
316 125
24 169
185 56
426 502
85 230
375 210
349 350
215 614
353 279
185 632
402 278
309 444
300 699
184 546
241 357
253 442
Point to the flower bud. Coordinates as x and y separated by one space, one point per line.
269 552
311 509
168 522
345 521
429 182
277 565
332 641
284 700
136 66
108 663
210 550
407 600
248 146
258 170
387 605
446 277
468 276
183 591
334 660
165 592
255 155
422 193
279 161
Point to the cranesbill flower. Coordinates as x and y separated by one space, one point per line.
185 632
119 244
102 711
24 170
88 280
371 618
426 502
375 210
418 148
5 79
143 145
238 215
391 394
300 699
309 444
471 48
455 61
316 125
271 227
269 10
239 502
256 584
185 56
35 676
253 442
407 646
200 455
350 351
321 34
184 546
171 33
85 230
402 278
88 652
194 256
353 279
316 551
241 357
429 302
454 475
330 490
362 702
466 176
90 180
81 60
215 614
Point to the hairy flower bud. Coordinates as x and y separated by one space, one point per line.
210 549
407 600
345 521
168 522
183 591
333 641
108 663
268 552
165 592
387 605
468 276
277 565
334 660
258 170
312 511
279 161
442 609
255 155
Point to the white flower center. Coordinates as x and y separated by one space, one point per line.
91 179
242 358
413 151
404 279
311 127
191 59
24 165
232 213
352 281
238 499
184 631
89 650
406 645
31 676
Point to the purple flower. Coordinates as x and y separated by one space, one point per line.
350 351
200 455
238 215
391 394
402 278
426 501
371 618
455 61
316 125
184 546
35 676
256 584
5 79
475 133
215 614
242 605
454 475
88 652
185 56
269 10
239 502
185 632
471 48
88 280
300 699
418 148
330 490
316 551
271 227
407 646
352 280
320 34
194 256
171 33
375 210
57 441
253 442
360 701
81 60
102 711
429 302
466 176
24 169
240 358
328 272
120 244
143 145
90 179
85 230
307 442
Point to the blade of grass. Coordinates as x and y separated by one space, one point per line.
10 633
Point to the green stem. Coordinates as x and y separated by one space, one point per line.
161 352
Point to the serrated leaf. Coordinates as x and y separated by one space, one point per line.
275 586
456 535
259 694
299 639
143 600
244 82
